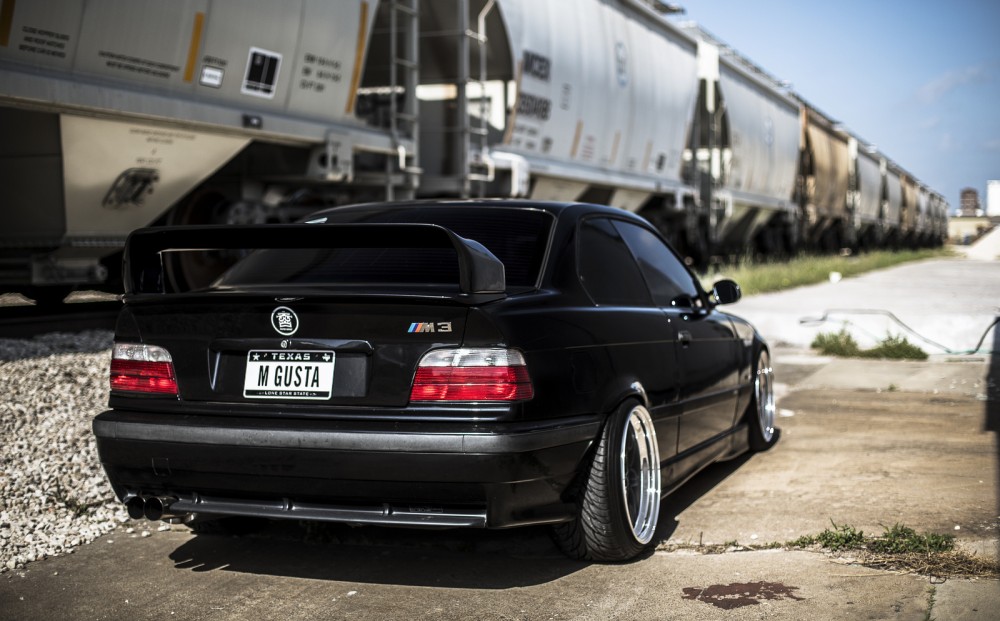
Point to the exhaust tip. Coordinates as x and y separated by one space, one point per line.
135 507
156 506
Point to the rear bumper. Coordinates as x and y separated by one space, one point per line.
441 474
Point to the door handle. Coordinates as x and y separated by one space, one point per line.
684 337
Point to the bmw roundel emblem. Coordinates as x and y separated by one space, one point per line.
284 320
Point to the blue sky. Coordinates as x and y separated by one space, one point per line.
919 79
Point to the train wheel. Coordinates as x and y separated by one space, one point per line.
698 253
48 296
185 271
768 242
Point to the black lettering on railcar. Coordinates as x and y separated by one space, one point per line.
534 106
537 66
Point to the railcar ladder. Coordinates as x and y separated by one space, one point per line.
474 138
460 141
404 52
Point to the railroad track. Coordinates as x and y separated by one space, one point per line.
26 321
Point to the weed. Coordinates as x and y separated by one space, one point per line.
902 539
900 548
842 537
803 542
896 348
59 496
843 344
931 600
836 344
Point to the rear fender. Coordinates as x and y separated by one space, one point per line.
634 391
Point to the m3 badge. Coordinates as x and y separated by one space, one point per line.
429 326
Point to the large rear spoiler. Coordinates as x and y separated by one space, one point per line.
479 270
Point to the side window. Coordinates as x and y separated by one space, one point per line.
668 279
607 269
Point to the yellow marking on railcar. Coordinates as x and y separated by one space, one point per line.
576 138
512 116
192 59
359 54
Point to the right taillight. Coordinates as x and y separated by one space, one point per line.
472 374
146 369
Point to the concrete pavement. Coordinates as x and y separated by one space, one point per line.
857 456
176 576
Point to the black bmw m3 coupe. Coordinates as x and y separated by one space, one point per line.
430 364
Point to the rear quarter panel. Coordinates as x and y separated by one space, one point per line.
585 360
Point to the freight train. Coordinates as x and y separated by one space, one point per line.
118 114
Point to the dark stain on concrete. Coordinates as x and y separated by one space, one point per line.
738 595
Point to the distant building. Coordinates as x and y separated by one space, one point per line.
970 207
993 199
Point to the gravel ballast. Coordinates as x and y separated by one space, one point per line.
54 495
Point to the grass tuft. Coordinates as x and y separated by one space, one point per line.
842 537
843 344
901 539
836 344
895 348
901 548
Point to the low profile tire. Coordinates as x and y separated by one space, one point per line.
760 414
619 501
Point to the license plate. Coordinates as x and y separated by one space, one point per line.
289 375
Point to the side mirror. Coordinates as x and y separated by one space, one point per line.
726 292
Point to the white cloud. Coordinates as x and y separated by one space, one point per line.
956 78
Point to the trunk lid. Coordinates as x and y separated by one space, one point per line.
338 351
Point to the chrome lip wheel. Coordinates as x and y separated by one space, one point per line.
764 392
640 474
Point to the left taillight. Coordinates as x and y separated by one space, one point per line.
145 369
472 374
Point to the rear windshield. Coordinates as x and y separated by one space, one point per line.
517 237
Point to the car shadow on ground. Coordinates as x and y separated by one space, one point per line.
463 559
469 559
